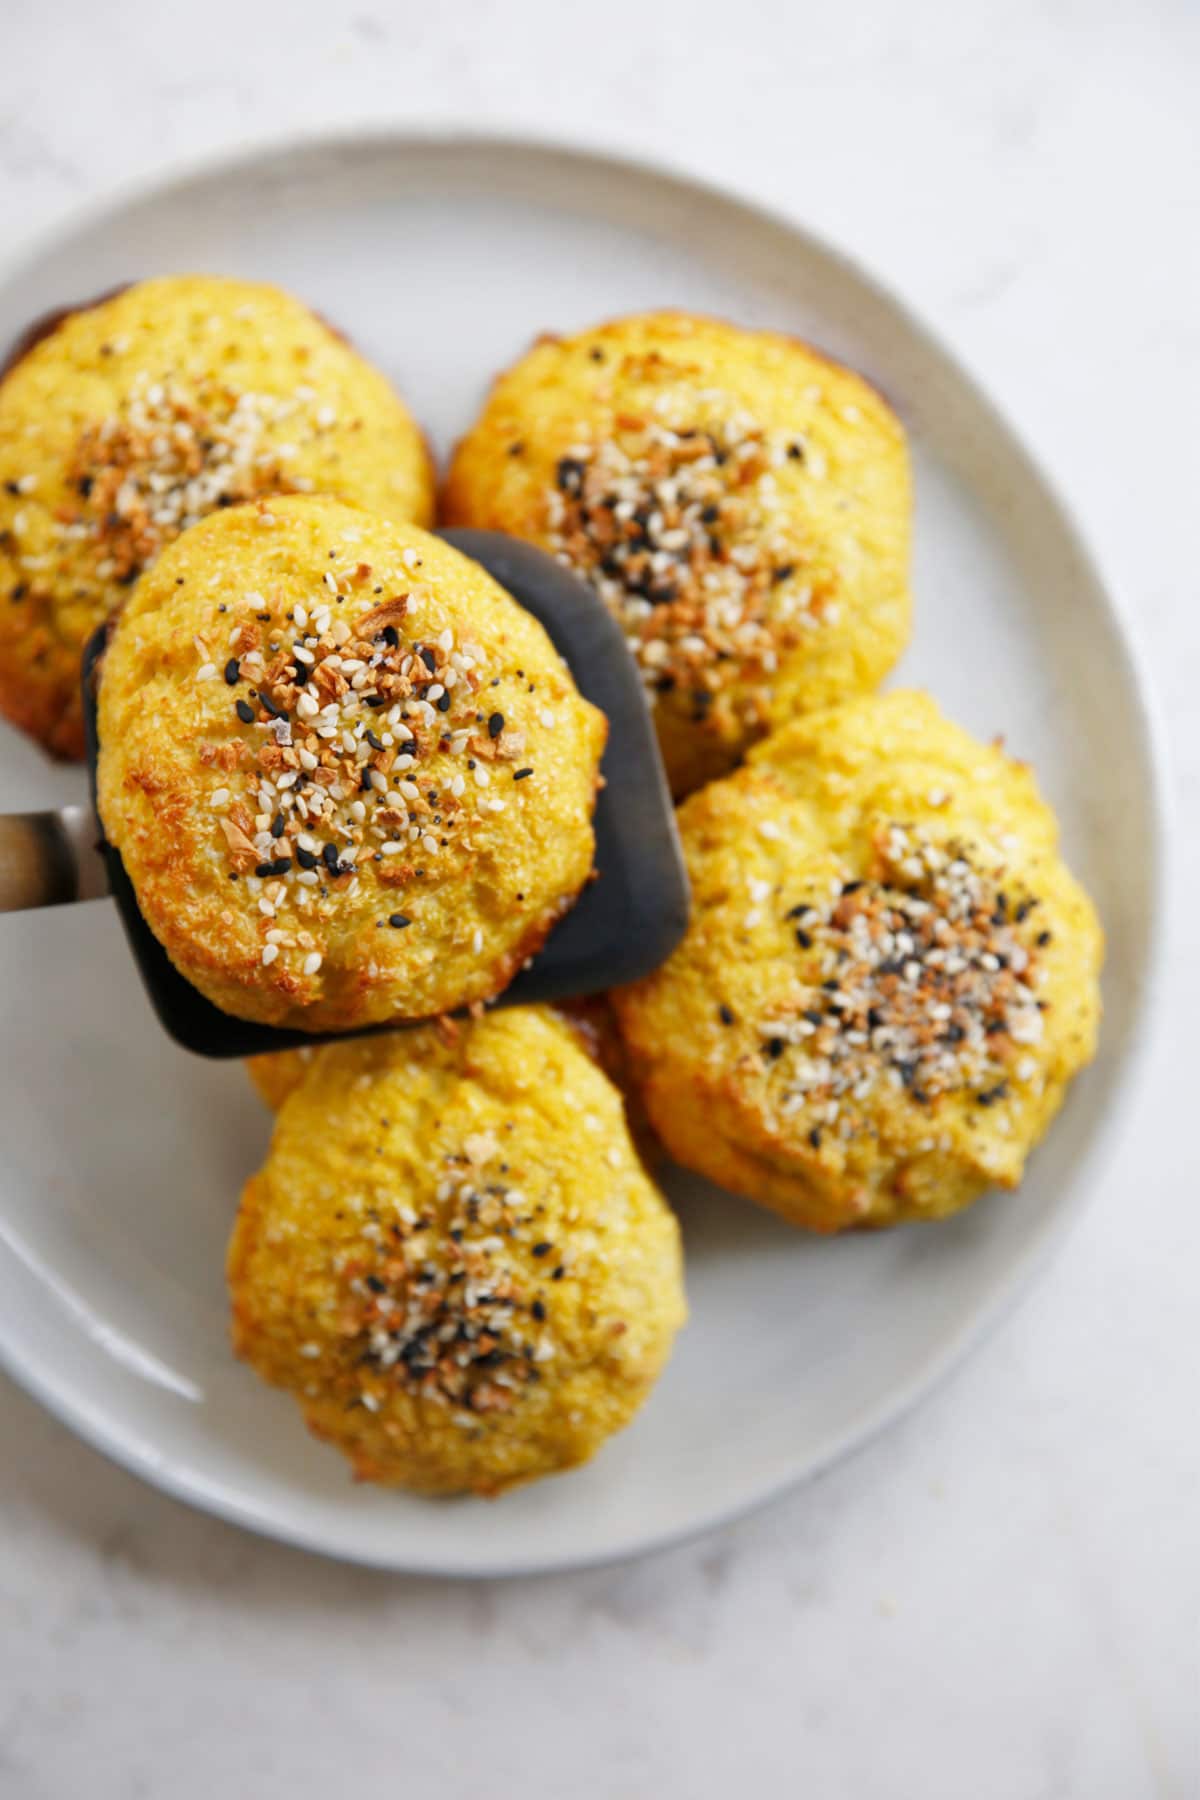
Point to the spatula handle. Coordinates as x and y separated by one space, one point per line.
49 858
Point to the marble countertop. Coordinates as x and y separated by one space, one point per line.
1000 1598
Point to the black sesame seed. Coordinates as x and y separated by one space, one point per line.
245 712
375 743
375 701
559 1272
269 706
538 1310
774 1048
233 670
796 452
428 657
814 1137
376 1286
725 1014
804 938
329 856
813 1016
521 774
495 724
1043 938
784 572
568 474
278 826
443 702
398 921
542 1249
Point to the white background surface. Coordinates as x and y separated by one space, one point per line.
1000 1599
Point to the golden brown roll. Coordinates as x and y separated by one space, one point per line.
133 418
741 504
453 1257
888 981
350 779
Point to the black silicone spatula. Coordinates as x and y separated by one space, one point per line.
624 924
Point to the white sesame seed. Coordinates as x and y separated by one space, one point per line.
206 672
270 952
312 963
219 797
547 718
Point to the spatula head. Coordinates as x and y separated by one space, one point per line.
626 921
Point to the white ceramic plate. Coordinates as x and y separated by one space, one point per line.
123 1157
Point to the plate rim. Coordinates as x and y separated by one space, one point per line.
1047 1237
